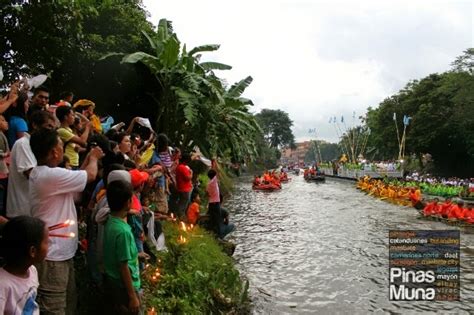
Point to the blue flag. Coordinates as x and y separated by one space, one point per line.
406 120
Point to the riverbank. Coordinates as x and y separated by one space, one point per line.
194 275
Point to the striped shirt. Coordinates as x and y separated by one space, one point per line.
165 158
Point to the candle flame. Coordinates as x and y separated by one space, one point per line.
183 226
181 239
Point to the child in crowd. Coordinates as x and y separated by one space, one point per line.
122 273
193 209
24 243
4 155
214 205
135 217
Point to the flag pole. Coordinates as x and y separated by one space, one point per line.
398 135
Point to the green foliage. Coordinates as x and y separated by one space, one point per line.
193 106
65 39
267 156
276 127
329 151
196 277
465 62
442 111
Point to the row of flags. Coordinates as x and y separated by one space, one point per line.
334 119
406 119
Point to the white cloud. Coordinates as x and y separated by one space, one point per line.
317 59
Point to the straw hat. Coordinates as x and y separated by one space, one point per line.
83 103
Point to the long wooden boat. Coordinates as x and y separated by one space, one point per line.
452 222
315 178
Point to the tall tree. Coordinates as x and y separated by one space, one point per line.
329 151
465 62
276 127
65 39
442 110
193 105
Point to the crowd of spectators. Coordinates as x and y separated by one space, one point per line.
61 166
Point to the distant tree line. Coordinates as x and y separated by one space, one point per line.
108 52
441 107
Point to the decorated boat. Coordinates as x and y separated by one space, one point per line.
452 222
266 187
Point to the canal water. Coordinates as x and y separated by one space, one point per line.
323 248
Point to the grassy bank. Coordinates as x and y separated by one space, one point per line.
193 276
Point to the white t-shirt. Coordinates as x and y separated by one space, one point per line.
22 159
17 295
52 192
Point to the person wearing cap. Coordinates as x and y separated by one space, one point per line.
86 108
135 220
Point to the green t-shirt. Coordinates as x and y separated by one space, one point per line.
119 246
66 135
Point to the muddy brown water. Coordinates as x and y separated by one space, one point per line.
323 249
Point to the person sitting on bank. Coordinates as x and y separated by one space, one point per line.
193 213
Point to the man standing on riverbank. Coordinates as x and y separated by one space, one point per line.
52 191
184 183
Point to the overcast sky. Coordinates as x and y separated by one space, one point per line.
319 59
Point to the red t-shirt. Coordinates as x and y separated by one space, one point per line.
182 182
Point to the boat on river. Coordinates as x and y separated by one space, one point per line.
452 222
315 178
266 187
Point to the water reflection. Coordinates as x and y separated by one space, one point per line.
323 248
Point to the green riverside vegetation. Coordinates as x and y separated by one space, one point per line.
194 276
